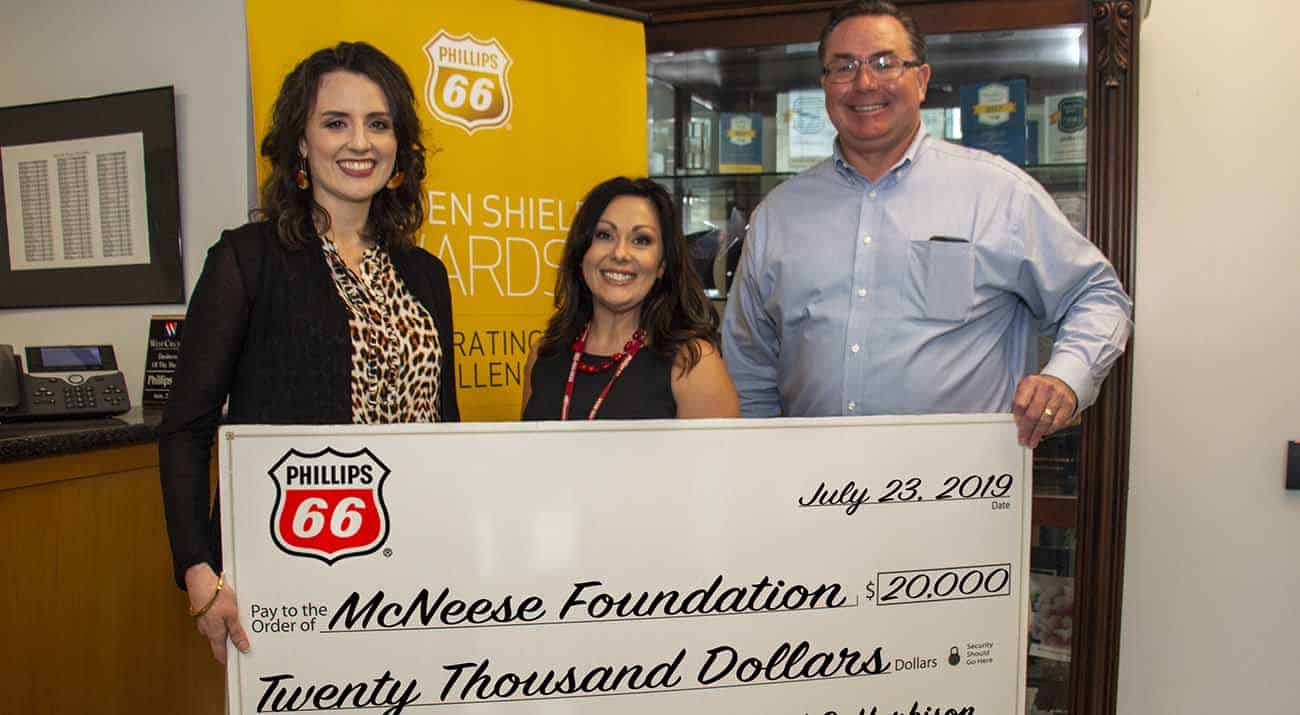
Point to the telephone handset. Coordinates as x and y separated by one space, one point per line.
32 397
10 388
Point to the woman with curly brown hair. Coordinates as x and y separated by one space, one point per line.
633 335
320 311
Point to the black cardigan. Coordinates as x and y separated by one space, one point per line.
267 328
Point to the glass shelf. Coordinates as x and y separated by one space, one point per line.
726 175
1066 174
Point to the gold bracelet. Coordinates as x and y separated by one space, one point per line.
221 583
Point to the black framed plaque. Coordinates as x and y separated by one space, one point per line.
91 202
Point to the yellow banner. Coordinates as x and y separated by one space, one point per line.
525 107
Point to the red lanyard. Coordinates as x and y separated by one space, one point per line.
632 349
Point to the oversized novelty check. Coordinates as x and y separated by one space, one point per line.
875 566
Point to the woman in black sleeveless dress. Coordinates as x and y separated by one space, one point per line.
633 335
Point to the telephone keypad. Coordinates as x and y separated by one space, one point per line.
77 395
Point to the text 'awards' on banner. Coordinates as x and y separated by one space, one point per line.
850 565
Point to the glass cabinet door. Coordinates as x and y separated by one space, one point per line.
727 125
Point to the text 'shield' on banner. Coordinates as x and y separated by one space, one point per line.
525 106
851 565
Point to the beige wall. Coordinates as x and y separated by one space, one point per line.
57 49
1212 581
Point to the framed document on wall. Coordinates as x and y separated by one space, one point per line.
91 202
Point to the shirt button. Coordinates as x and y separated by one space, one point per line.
853 406
862 292
855 347
866 240
871 195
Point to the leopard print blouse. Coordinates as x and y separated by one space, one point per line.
396 351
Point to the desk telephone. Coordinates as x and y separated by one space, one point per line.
32 397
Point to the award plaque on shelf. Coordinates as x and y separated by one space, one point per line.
993 118
740 144
160 359
1067 128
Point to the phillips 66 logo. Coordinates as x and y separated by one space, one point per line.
467 85
329 504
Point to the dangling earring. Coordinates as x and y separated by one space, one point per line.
300 177
396 181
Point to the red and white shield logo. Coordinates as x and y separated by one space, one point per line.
329 504
467 85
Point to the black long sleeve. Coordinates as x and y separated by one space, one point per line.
449 408
215 327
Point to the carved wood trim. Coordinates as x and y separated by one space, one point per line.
679 11
710 11
694 26
679 25
1114 24
1103 485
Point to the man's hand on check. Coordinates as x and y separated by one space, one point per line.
1042 405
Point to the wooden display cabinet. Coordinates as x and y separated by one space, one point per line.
737 56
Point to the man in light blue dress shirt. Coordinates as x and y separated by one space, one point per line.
909 275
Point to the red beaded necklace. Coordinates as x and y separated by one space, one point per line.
629 349
621 359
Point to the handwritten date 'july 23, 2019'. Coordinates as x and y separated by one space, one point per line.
911 490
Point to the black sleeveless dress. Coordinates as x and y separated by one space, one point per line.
643 392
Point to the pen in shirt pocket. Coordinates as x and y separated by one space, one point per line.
949 239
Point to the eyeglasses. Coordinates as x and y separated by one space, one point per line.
883 68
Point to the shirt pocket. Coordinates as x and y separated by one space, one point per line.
943 270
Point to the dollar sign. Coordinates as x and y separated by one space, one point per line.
871 591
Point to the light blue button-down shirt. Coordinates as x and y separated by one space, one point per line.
924 291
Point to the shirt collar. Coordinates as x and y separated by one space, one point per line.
846 169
